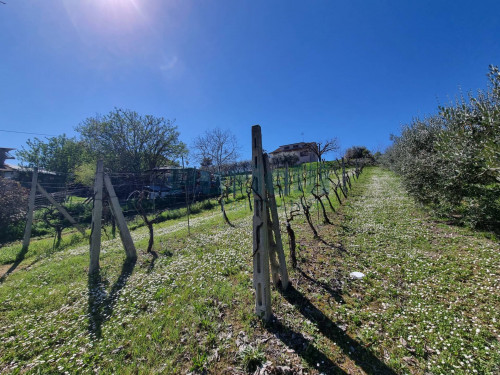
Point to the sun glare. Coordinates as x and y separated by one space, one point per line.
105 16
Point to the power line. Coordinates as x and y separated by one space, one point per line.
14 131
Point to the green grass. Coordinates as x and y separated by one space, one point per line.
429 302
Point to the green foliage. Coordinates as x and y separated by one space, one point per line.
125 140
199 361
285 159
130 142
13 206
452 160
85 174
251 358
12 231
58 154
13 201
358 152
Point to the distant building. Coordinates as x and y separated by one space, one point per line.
300 150
54 180
6 170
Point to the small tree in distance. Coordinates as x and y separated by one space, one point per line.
216 148
220 148
358 152
321 148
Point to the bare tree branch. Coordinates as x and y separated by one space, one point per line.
216 147
321 148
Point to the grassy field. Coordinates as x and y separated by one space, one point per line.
429 303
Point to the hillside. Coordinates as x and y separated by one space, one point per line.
430 301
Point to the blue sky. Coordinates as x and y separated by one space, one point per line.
309 70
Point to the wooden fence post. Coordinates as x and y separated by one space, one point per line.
278 243
31 209
261 281
125 236
95 236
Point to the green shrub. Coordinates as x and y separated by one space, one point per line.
451 161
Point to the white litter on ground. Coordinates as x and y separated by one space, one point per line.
357 275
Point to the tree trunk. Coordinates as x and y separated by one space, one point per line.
328 199
291 243
226 219
151 236
249 193
308 216
318 199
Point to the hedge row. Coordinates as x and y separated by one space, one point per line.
451 161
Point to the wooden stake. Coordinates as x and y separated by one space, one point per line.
273 256
188 207
125 236
287 192
95 236
275 224
60 208
31 209
344 179
261 281
234 185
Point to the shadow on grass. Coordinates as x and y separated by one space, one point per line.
352 348
101 304
338 247
304 348
19 259
335 293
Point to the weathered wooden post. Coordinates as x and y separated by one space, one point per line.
261 281
125 236
277 245
31 209
95 236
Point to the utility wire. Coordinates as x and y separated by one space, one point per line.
19 132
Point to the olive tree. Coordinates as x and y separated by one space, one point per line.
451 160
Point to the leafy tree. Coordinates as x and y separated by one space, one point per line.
358 152
13 201
452 160
414 157
57 154
285 159
206 163
85 174
13 206
130 142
